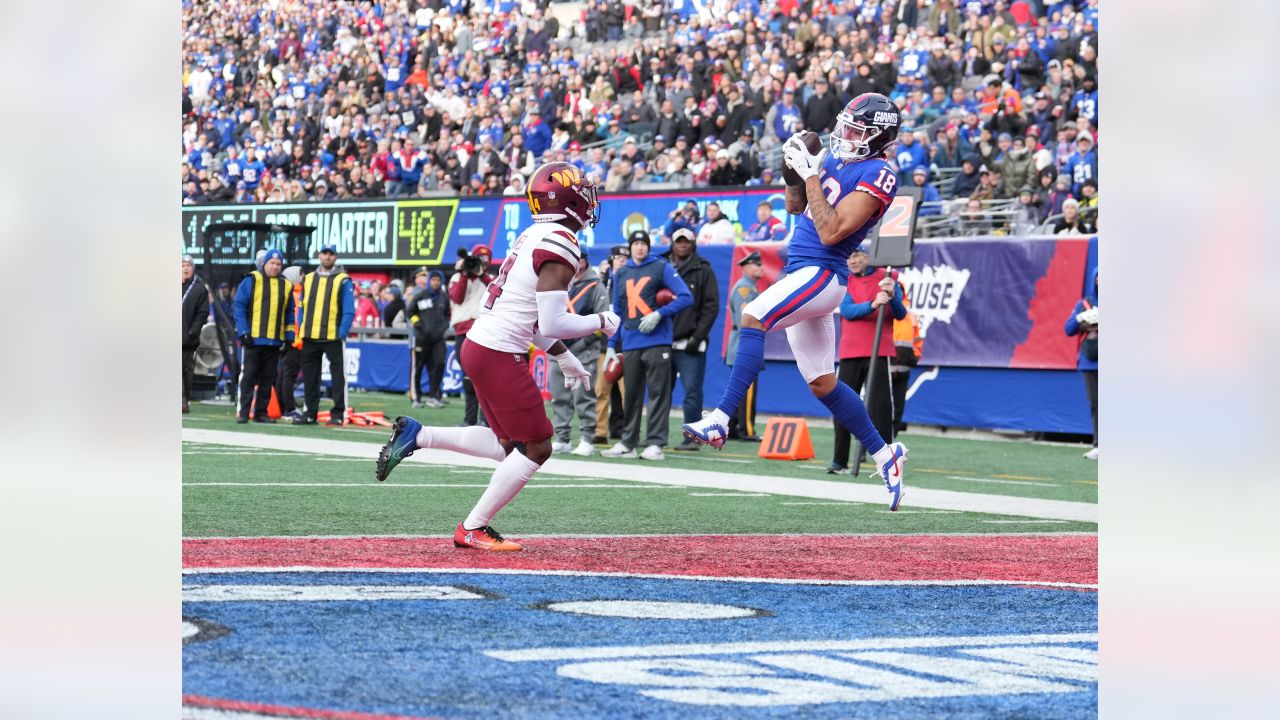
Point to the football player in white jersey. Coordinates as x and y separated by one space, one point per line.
527 304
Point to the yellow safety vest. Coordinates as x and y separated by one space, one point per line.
270 303
322 306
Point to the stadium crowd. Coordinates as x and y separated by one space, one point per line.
310 100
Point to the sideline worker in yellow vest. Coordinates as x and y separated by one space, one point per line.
264 310
328 307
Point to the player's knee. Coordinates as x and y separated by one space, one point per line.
823 385
538 451
750 322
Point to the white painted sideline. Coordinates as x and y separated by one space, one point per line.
796 487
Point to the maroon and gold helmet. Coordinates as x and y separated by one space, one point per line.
559 192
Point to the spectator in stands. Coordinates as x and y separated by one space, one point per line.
1016 165
1083 322
586 296
767 228
821 109
1072 223
967 180
716 228
911 155
930 198
868 289
1083 164
644 340
974 219
1026 215
691 327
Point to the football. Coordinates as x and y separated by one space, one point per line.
665 296
811 141
613 370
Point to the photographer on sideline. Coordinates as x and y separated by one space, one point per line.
467 289
195 313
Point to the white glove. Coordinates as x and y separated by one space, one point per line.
575 376
798 158
650 321
611 323
1089 316
609 356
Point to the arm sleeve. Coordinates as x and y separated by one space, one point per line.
348 308
555 322
458 287
896 306
1072 327
709 308
542 342
615 342
850 310
244 294
684 298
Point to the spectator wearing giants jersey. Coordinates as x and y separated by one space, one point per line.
466 292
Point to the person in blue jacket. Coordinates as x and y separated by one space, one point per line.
1083 322
930 194
264 314
644 341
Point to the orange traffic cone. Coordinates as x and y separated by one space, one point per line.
273 407
786 439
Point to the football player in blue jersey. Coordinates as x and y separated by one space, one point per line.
844 191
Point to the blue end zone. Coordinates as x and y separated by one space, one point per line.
885 650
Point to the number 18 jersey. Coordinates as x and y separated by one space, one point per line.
875 176
509 313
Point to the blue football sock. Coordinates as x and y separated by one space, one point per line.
746 366
848 410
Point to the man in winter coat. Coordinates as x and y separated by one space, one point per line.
428 310
1083 322
1017 165
692 326
587 296
195 313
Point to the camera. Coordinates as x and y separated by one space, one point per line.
471 264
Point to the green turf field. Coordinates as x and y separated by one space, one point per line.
242 491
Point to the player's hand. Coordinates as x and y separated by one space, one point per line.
798 158
611 322
575 376
887 284
649 322
882 298
609 356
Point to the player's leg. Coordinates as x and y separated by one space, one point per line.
561 409
780 306
813 344
512 402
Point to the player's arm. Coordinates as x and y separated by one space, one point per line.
554 319
837 223
796 199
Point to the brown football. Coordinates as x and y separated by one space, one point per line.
613 370
665 297
811 141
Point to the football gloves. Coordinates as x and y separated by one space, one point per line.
650 321
575 376
798 158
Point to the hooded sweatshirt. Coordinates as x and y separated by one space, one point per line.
428 311
644 280
965 183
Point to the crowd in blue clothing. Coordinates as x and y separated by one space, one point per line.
310 100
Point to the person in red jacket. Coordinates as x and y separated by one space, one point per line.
869 288
467 289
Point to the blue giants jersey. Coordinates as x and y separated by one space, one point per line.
876 176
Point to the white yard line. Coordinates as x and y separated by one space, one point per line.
1022 522
1001 482
706 479
729 494
402 536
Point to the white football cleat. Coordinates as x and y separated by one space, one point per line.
707 431
559 448
619 451
653 452
584 448
891 472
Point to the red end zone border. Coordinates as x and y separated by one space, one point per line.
1063 560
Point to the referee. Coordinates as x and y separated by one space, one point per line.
328 307
264 317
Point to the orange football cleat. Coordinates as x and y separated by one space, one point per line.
485 538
